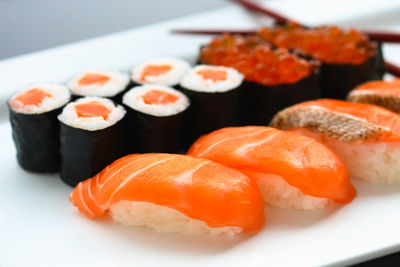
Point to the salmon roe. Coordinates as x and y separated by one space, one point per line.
328 44
256 59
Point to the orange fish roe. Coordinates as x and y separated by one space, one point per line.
91 78
328 44
32 97
92 109
214 75
154 70
157 97
256 59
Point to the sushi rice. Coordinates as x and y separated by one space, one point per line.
70 117
59 96
176 68
115 82
133 98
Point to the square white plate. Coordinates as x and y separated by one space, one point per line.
40 227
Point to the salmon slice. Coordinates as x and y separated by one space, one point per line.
93 78
158 97
92 109
366 137
212 74
382 93
154 70
198 195
33 97
297 163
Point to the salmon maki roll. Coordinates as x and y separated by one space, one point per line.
366 137
381 93
291 170
173 193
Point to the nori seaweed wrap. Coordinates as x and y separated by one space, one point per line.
337 80
156 117
259 103
91 137
35 129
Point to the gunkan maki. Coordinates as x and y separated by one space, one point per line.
348 57
275 78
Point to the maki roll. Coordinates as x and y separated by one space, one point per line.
214 94
275 78
348 57
90 135
35 129
163 71
381 93
155 119
101 83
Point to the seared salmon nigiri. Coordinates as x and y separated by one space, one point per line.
292 171
366 137
382 93
173 193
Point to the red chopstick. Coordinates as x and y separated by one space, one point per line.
382 37
392 69
251 5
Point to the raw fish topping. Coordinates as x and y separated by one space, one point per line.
256 59
91 78
92 109
32 97
329 44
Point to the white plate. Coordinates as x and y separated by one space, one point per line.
40 227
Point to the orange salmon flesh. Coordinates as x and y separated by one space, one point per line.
157 97
92 78
381 87
370 113
301 161
199 188
154 70
214 75
32 97
92 109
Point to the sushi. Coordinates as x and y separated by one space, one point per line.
156 119
348 57
163 71
173 193
291 170
91 137
214 95
381 93
366 137
35 129
275 78
100 83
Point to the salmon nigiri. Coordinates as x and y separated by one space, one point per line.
366 137
382 93
173 193
292 171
